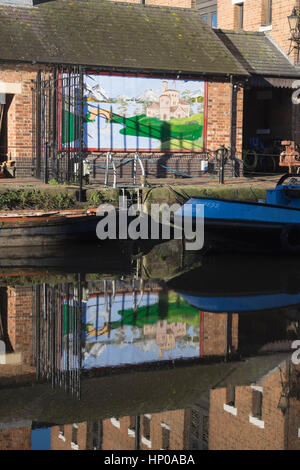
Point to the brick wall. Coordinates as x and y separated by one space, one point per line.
227 431
214 334
254 18
18 139
15 439
117 437
19 321
19 363
219 116
64 442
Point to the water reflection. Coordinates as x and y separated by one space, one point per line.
132 360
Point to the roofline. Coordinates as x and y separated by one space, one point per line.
118 3
272 41
178 73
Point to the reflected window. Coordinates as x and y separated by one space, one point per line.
132 423
146 427
96 435
257 399
165 438
204 17
74 443
230 395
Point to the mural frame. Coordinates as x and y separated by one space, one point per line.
122 150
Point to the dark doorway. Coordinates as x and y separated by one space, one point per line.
267 121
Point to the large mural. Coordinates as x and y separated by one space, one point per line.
126 335
129 113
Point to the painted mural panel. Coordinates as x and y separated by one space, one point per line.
129 113
126 335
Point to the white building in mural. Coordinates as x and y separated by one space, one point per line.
170 106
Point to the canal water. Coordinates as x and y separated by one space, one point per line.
148 348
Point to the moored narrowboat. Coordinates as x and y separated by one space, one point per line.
268 226
40 228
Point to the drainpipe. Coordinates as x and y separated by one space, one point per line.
137 432
233 106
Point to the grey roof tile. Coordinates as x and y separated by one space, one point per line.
258 54
114 35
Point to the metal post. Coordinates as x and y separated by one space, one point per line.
233 127
81 130
38 126
106 169
38 331
222 164
54 122
134 167
46 163
114 171
137 433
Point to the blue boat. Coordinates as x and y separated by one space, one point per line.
269 226
240 283
239 304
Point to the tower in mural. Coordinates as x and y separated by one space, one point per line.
170 105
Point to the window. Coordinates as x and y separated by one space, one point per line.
146 427
74 443
257 398
208 11
266 12
214 21
97 435
61 433
229 406
240 15
132 425
230 395
165 438
210 19
75 434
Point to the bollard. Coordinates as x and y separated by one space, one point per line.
222 164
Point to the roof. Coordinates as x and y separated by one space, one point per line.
147 391
114 36
258 54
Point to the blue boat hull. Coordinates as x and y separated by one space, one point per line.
246 226
239 304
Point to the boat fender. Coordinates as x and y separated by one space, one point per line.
290 238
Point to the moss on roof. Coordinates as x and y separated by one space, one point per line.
114 35
257 53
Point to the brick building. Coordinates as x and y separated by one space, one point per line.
269 115
225 65
15 436
260 416
17 321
